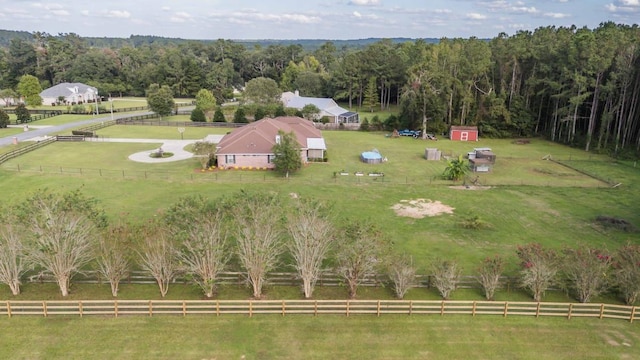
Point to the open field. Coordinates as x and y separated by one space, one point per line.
324 337
530 199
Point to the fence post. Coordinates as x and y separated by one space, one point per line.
184 308
80 307
570 311
506 308
18 167
601 310
8 308
378 308
633 314
473 310
283 308
44 308
150 308
250 308
348 308
115 308
315 308
410 307
217 307
442 308
538 310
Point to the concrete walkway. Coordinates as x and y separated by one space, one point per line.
173 146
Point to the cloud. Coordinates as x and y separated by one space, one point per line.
118 14
624 6
557 15
181 17
476 16
364 2
357 14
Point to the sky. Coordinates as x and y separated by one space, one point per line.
308 19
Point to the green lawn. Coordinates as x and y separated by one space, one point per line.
535 200
323 337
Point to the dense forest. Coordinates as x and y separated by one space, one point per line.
576 86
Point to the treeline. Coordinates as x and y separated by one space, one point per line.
577 86
62 234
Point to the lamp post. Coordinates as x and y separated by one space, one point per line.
181 131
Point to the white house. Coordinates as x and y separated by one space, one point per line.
73 93
328 107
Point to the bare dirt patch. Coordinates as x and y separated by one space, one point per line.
419 208
470 187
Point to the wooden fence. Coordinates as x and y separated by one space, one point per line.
136 121
25 149
314 307
327 278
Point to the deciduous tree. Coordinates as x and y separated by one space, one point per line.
402 273
29 87
22 114
160 99
287 153
13 253
63 228
586 271
627 272
113 254
206 102
361 251
4 119
312 236
258 234
262 90
445 275
539 268
157 255
489 275
199 226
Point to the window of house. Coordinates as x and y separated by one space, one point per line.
230 159
271 158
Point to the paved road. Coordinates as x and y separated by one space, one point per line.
38 132
44 131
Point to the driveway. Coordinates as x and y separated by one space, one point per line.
173 146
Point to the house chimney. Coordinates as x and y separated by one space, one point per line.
277 139
297 93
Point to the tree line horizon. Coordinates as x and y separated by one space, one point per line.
575 86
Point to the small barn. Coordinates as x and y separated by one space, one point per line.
463 133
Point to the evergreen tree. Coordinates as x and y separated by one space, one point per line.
218 116
371 94
197 115
260 113
239 117
4 119
23 114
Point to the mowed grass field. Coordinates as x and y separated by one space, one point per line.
323 337
529 199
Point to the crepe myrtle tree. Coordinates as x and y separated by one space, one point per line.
258 232
113 251
586 271
157 255
539 268
402 274
13 264
489 274
626 272
361 251
62 229
311 238
199 225
445 277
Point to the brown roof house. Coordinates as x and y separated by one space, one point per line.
251 146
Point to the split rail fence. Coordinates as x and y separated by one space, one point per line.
250 308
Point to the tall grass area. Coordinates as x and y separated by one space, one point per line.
324 337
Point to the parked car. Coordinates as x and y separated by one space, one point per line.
407 132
